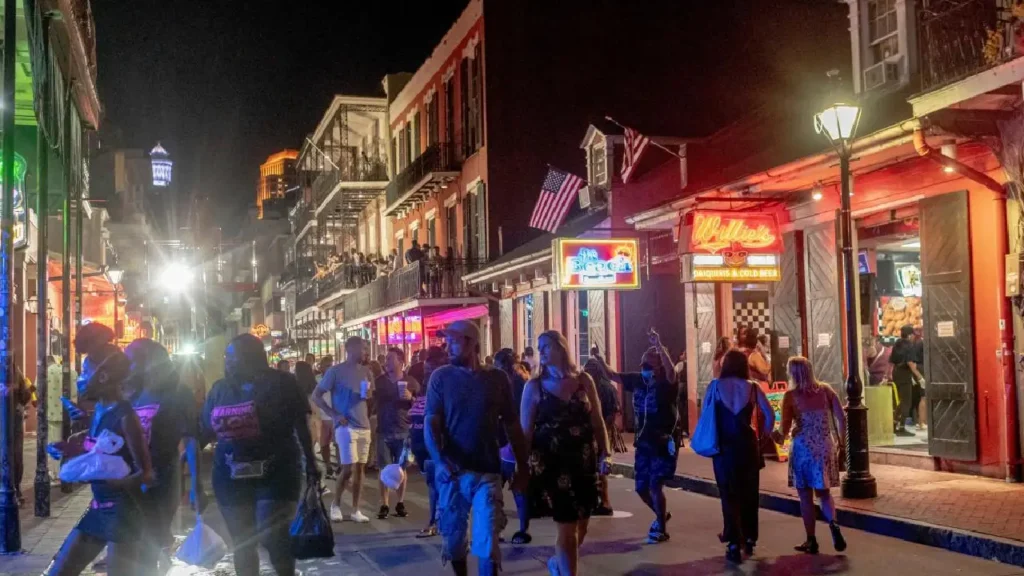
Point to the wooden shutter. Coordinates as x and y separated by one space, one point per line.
824 336
948 340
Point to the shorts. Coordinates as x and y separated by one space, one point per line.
508 472
469 494
353 445
389 450
653 465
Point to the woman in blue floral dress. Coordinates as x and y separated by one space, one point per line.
814 414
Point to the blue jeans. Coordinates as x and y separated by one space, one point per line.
458 497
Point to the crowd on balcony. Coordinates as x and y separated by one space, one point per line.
356 269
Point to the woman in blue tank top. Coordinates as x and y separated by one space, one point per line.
113 517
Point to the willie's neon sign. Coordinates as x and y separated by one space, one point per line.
714 232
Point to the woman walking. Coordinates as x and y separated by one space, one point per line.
561 417
256 413
724 345
114 516
734 397
435 358
813 412
505 360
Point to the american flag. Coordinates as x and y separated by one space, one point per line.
556 196
635 145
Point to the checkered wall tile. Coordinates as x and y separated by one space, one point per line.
754 313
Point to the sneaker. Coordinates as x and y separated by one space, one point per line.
359 518
657 537
383 513
904 433
400 510
336 515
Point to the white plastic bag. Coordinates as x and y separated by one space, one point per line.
392 476
202 547
99 463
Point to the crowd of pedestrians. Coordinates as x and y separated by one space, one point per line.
537 425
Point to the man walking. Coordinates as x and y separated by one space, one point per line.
350 385
466 404
392 397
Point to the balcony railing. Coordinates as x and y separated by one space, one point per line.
437 158
352 170
959 38
442 279
306 298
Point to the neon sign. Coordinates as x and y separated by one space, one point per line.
715 232
412 333
20 214
608 264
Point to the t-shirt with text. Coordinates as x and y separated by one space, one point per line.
167 413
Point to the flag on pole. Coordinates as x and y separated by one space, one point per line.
556 196
635 145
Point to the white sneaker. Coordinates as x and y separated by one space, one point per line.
336 515
357 517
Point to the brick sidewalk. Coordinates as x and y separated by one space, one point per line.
958 501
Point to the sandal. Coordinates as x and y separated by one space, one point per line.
837 537
522 538
428 532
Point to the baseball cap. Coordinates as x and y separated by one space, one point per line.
463 328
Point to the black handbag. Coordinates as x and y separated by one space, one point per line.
311 533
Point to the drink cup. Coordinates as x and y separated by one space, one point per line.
364 389
402 387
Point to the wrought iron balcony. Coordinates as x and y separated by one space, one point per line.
350 170
435 168
960 38
424 280
306 298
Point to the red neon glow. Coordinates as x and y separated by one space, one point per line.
449 316
610 264
727 232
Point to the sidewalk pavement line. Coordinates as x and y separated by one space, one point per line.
985 546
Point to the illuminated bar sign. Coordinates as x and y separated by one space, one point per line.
730 247
596 264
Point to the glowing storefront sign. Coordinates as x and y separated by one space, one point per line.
723 232
20 214
260 330
606 264
412 333
730 247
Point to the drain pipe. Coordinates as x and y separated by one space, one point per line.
1011 450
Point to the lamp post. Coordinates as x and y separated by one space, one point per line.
114 275
838 123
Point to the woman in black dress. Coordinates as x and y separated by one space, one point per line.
113 518
734 397
561 417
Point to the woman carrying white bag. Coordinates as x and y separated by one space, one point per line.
113 517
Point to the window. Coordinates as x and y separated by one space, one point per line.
433 122
464 86
432 232
400 246
449 110
480 222
583 324
527 321
414 128
883 30
598 164
478 111
449 224
409 155
394 155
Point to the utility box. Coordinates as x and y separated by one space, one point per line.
1013 275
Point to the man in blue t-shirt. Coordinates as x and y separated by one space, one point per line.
466 405
350 385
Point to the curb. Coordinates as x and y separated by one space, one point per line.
965 542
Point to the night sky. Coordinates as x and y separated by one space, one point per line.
224 83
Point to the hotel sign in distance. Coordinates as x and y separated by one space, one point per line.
596 264
718 246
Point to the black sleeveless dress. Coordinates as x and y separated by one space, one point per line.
563 459
114 513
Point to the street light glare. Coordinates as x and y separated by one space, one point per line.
837 121
176 277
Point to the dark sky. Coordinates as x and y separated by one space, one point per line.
224 83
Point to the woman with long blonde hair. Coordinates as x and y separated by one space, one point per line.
561 417
814 414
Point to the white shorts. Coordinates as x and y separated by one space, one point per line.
353 445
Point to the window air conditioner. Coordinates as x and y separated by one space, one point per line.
885 73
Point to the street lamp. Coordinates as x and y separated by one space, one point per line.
176 277
114 275
838 123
